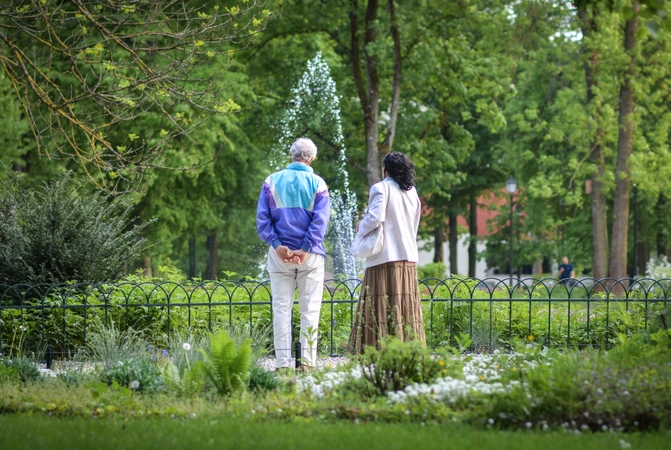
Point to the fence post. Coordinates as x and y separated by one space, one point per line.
297 348
50 356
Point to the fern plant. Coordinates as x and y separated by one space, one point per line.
188 383
225 365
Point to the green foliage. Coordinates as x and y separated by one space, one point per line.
188 382
625 389
19 368
261 380
63 233
431 270
398 364
107 345
183 371
225 364
135 374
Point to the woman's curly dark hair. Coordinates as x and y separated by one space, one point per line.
400 169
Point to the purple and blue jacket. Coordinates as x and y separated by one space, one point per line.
293 209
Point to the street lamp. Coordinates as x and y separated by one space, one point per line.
511 187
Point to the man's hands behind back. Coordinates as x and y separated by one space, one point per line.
291 256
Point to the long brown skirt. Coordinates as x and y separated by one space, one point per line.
389 304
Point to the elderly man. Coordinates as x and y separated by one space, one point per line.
292 215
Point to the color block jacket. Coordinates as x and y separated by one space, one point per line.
293 209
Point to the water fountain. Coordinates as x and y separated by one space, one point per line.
314 112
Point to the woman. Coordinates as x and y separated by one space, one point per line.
389 303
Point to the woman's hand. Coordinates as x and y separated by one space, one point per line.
357 226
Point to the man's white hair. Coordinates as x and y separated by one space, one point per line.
303 149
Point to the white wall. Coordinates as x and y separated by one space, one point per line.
426 257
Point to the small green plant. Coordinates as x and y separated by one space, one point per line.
135 374
260 380
398 364
226 365
20 368
464 342
184 372
107 345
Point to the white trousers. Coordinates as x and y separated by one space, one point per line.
284 278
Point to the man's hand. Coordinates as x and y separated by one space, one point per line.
284 253
300 256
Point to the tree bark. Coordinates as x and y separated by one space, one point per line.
192 257
212 244
473 243
146 266
396 84
618 258
368 89
643 257
438 241
599 209
454 235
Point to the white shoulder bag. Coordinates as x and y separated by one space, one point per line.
365 246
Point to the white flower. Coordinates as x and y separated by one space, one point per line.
186 346
135 384
22 328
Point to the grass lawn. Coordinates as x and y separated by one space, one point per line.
41 432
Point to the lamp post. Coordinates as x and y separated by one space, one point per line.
511 187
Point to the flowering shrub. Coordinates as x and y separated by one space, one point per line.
396 365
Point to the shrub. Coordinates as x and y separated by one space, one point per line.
225 365
20 368
397 365
431 270
260 380
136 374
63 233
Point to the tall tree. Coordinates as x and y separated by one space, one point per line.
589 26
618 259
82 68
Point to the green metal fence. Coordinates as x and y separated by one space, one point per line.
493 312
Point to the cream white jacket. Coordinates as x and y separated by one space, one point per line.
400 212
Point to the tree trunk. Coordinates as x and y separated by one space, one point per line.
192 257
212 244
396 83
618 257
368 89
454 235
438 241
599 209
146 266
473 243
643 257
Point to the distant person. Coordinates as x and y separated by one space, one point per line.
566 272
389 303
291 217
